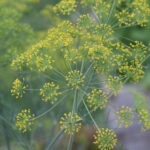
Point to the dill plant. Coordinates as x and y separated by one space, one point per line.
82 56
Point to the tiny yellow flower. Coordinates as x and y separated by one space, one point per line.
105 139
70 123
18 88
24 120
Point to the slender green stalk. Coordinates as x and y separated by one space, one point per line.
60 73
74 110
44 113
111 10
70 142
49 147
90 115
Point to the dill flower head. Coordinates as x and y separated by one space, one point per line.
34 58
102 8
73 56
18 88
114 84
97 99
100 55
65 7
105 139
70 123
59 38
125 116
84 21
75 79
50 92
24 120
135 12
103 30
142 109
144 118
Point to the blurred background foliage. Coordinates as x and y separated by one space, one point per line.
23 23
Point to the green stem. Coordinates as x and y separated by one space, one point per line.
59 72
70 142
55 139
89 68
91 115
111 10
44 113
74 110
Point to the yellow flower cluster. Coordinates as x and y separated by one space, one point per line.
70 123
99 54
50 92
142 11
75 79
18 88
58 39
142 109
136 12
125 18
103 30
144 118
73 56
121 53
84 22
24 120
67 27
114 84
97 99
34 58
102 9
125 116
140 51
65 7
105 139
133 72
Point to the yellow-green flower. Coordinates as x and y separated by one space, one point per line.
144 117
125 116
65 7
75 79
70 123
50 92
114 84
105 139
97 99
18 88
24 120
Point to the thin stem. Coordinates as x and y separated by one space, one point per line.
88 68
95 15
11 125
75 101
44 113
74 110
70 142
90 115
145 59
59 72
111 10
31 89
55 139
82 66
